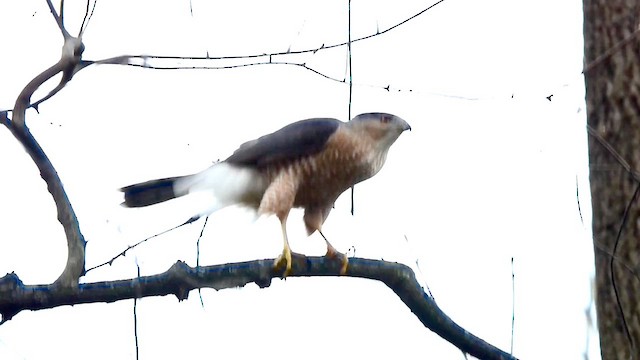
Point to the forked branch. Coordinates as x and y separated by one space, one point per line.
67 65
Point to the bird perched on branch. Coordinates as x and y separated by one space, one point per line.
306 164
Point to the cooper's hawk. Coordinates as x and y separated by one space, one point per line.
307 164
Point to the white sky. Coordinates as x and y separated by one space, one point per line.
488 173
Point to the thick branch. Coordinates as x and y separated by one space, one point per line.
71 54
181 278
66 216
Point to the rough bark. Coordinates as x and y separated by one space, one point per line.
612 75
180 279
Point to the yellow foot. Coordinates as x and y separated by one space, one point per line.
333 253
286 258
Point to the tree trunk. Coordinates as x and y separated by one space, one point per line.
612 75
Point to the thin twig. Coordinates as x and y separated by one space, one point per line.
350 69
289 52
58 19
578 200
411 251
350 74
128 59
614 153
513 304
124 252
632 345
87 17
198 256
135 317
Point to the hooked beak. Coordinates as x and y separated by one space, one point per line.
406 126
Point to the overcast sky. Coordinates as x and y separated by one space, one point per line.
488 173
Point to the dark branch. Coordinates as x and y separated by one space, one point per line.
69 61
130 60
349 68
135 319
290 52
124 252
58 19
180 279
127 59
142 60
66 215
87 17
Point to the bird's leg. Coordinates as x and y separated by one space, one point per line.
286 252
333 253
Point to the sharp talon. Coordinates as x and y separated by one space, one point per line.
333 253
286 258
287 270
345 264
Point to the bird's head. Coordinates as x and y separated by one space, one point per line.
381 127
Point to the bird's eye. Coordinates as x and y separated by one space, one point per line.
385 119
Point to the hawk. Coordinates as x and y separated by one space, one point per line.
306 164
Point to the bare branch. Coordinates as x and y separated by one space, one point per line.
75 241
513 304
180 279
87 17
61 14
71 54
314 50
124 252
143 62
349 68
58 19
135 318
